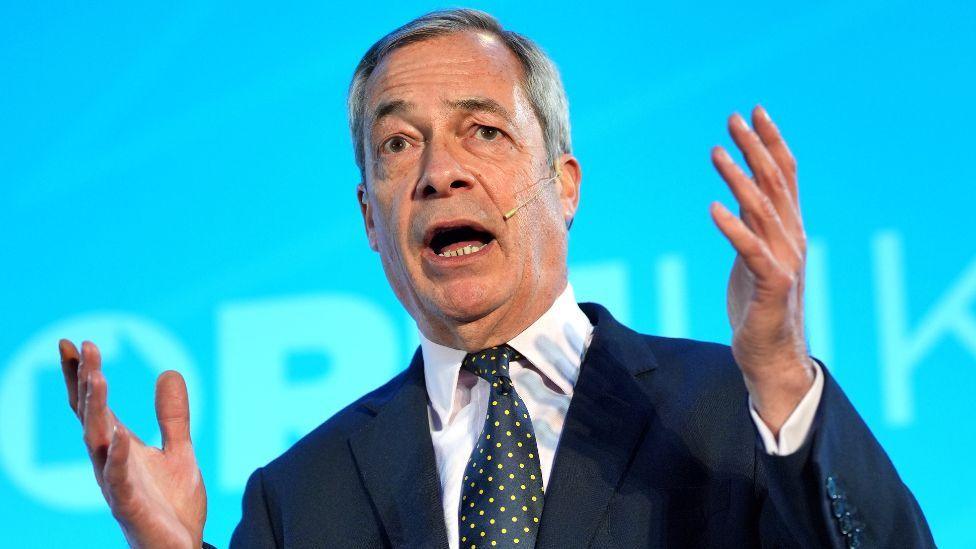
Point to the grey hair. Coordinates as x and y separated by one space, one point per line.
541 81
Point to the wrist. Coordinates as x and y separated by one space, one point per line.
780 388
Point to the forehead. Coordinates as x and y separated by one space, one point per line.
444 68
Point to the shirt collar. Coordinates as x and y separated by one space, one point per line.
553 344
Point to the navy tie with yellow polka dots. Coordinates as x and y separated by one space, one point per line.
501 496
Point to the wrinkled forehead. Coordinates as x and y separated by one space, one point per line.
440 71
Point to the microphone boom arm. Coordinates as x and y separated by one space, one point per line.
508 215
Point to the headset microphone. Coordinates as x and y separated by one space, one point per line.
508 215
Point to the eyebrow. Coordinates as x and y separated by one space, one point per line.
390 108
481 104
468 104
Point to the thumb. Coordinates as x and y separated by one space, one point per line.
172 409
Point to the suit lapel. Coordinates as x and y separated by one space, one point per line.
605 421
395 457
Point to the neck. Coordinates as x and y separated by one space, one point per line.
498 326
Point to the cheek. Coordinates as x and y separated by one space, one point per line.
384 223
386 169
397 167
545 232
393 231
509 184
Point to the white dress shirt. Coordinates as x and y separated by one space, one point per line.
553 347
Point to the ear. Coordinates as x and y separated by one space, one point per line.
570 174
364 208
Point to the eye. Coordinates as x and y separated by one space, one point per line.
488 133
395 144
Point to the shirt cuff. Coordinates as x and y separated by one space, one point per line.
794 433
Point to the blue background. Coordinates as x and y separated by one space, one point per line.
177 184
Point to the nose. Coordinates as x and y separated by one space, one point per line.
443 172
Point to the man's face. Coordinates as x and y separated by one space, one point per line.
451 144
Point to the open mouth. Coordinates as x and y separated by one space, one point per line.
458 240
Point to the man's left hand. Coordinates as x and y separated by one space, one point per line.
765 293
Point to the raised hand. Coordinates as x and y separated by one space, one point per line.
765 292
156 495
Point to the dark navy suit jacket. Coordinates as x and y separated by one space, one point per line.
658 450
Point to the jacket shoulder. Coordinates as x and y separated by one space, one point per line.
314 489
692 393
703 362
691 363
329 441
697 374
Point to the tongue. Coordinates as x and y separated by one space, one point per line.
458 245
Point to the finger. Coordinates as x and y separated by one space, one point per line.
750 247
91 359
777 147
69 369
758 212
767 173
98 423
172 409
116 470
742 186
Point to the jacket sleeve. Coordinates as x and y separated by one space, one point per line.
839 489
255 530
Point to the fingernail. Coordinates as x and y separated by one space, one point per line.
741 122
763 113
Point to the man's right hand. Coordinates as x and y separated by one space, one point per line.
156 495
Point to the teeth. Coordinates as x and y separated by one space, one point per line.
461 251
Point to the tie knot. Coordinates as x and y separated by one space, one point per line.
491 363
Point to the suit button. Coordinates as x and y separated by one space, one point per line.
832 490
839 507
846 524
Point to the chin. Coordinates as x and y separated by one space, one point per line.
468 300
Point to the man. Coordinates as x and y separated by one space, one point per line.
525 419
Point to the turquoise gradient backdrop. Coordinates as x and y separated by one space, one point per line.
177 184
